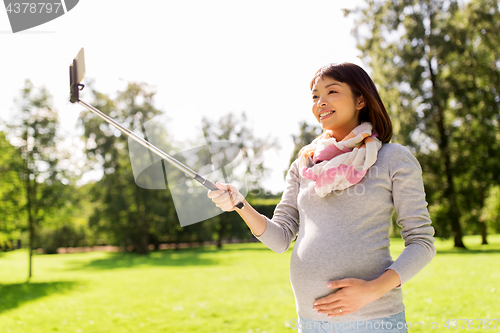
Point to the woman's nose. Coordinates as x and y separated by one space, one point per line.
321 103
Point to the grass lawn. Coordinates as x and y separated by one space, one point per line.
241 288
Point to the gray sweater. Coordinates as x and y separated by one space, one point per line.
346 233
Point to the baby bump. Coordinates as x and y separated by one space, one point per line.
326 261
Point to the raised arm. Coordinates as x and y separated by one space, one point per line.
276 233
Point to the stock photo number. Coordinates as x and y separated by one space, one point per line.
26 14
34 7
470 323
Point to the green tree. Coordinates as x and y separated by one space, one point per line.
415 50
33 132
473 65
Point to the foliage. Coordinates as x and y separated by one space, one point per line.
474 65
69 235
12 195
491 209
437 65
33 133
68 225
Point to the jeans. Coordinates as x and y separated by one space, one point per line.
393 324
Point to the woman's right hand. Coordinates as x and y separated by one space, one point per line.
226 197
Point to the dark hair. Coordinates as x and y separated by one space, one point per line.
361 85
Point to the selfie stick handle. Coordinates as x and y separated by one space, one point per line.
189 172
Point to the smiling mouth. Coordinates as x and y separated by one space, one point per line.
325 114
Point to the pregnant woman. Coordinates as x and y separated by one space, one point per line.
338 202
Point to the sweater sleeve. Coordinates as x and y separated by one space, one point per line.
413 216
283 228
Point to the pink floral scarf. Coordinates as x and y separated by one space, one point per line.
339 165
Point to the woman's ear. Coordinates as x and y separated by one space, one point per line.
360 104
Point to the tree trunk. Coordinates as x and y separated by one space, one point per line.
482 220
449 191
142 239
453 212
222 230
143 247
483 233
31 226
32 238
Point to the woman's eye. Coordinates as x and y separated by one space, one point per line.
314 97
332 91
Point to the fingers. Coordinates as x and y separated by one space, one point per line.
225 187
338 311
333 307
325 302
340 283
215 193
351 295
226 197
221 189
337 295
334 304
327 306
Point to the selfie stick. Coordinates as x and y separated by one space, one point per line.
76 74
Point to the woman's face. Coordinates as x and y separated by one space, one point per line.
334 106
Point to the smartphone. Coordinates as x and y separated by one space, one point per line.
76 75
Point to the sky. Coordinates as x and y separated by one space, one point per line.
204 59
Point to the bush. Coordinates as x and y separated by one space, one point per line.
65 236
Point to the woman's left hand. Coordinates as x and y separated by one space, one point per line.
352 295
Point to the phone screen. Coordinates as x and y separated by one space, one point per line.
80 66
